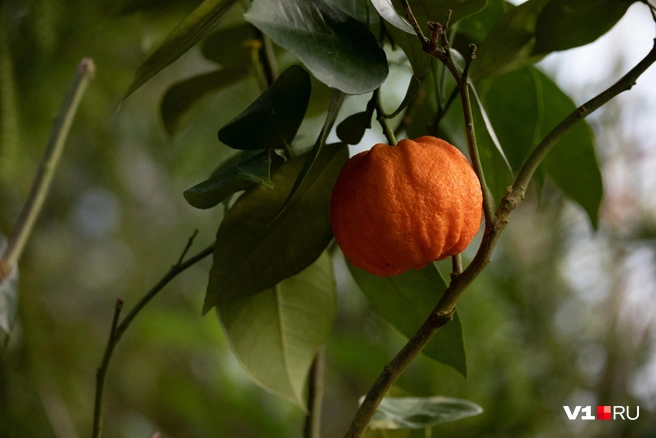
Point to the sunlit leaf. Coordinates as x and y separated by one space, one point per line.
336 101
180 99
339 50
256 170
274 118
276 333
421 412
252 252
564 24
198 24
510 44
406 300
8 297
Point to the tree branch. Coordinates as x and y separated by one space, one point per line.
380 116
58 135
117 330
443 312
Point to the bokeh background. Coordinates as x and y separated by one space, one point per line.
564 315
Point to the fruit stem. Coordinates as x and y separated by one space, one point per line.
380 116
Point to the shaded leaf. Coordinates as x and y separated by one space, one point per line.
421 412
8 297
274 118
479 25
336 101
419 60
228 47
572 163
387 11
180 99
339 50
565 24
406 300
510 44
276 333
352 128
252 253
256 170
198 24
413 88
358 9
525 105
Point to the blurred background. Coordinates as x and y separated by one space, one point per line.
564 315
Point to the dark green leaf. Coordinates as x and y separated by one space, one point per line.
252 253
352 128
478 26
336 101
198 24
419 60
276 333
228 47
406 300
413 88
511 42
339 50
387 11
572 164
180 99
421 412
524 106
8 297
565 24
274 118
254 171
358 9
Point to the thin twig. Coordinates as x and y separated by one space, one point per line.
102 371
470 58
118 330
444 310
456 264
380 116
413 23
315 396
58 135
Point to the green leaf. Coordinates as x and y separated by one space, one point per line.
479 25
252 253
572 164
254 171
406 300
352 128
198 24
276 333
413 89
336 101
389 14
510 44
565 24
274 118
228 48
180 99
419 60
8 296
525 105
339 50
421 412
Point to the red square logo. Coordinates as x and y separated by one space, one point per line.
603 412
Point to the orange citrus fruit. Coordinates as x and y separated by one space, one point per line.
399 207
